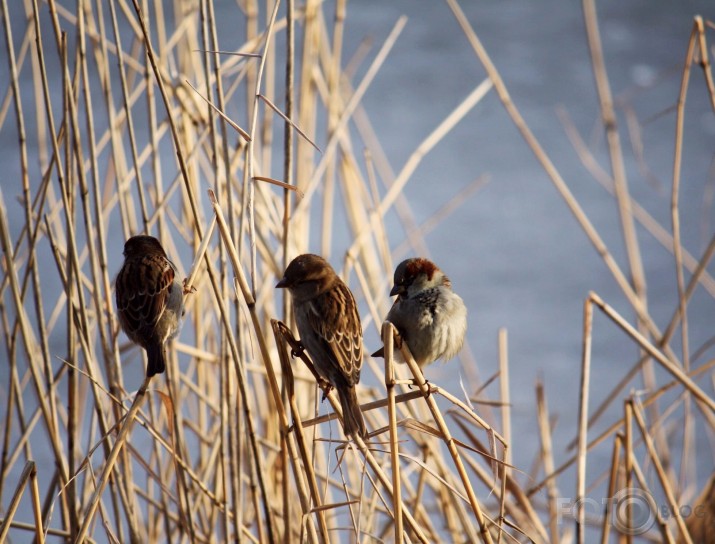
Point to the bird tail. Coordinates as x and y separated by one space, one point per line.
353 421
156 362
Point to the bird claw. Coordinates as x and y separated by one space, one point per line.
297 351
429 388
188 289
326 391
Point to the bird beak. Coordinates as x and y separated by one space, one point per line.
397 290
283 283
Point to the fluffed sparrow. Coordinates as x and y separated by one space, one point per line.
330 329
149 300
429 316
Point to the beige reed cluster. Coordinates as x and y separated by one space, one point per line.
430 318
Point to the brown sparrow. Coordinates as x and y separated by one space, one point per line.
429 316
329 328
149 300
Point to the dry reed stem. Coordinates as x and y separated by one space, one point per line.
704 60
548 458
612 483
129 119
675 193
288 151
641 214
677 247
421 151
469 412
29 343
657 464
111 460
485 534
662 525
671 367
348 110
278 333
250 171
279 183
28 475
225 117
615 151
615 427
53 422
522 509
629 460
388 333
506 423
381 403
250 302
583 420
504 394
385 481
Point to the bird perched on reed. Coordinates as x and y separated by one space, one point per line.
149 299
330 330
430 317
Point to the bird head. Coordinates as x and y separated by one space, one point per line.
307 276
142 245
415 275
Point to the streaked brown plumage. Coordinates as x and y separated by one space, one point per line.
330 330
149 299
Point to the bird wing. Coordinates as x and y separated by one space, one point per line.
142 291
338 324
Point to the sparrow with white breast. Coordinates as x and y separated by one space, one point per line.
329 326
430 317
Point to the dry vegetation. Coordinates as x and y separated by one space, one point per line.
123 140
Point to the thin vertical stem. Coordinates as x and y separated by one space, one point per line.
388 333
608 117
628 444
583 421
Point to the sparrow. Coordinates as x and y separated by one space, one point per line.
149 300
430 317
329 327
